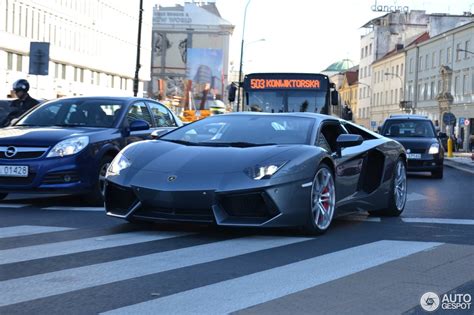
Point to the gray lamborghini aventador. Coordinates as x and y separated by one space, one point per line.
259 169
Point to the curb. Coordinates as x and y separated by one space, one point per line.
459 166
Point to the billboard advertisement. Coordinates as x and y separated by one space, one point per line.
204 75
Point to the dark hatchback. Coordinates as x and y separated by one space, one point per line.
418 135
65 146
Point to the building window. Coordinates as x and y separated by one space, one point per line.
370 49
425 92
411 65
401 94
433 57
420 64
396 96
397 68
366 51
464 84
19 63
440 59
401 70
448 55
439 86
361 53
9 61
427 57
467 45
419 92
432 87
456 85
391 96
458 52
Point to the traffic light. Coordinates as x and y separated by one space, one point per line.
232 92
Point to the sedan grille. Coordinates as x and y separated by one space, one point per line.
19 153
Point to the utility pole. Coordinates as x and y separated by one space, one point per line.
137 67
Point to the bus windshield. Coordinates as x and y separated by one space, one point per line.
278 101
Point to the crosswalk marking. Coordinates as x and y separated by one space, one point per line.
43 285
100 209
239 293
439 221
24 230
70 247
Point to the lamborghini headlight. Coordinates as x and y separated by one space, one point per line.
434 148
69 146
263 171
119 163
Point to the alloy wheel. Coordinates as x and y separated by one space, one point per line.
323 198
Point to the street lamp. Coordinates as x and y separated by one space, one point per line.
465 50
241 57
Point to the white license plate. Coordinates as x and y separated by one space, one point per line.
414 155
13 171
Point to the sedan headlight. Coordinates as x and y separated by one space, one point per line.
119 163
434 148
69 146
263 171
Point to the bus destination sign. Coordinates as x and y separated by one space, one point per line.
258 84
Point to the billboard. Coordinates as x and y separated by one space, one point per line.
204 75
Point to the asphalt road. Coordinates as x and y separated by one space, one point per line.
57 257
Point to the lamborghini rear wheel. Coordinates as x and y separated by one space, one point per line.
323 201
398 192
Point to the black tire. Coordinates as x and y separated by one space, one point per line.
394 208
96 197
312 227
3 196
438 174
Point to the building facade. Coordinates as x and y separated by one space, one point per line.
440 78
93 46
388 81
348 91
176 30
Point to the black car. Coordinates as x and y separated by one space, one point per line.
259 169
66 145
418 135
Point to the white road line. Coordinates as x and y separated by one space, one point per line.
439 221
239 293
75 208
13 205
415 197
44 285
71 247
23 230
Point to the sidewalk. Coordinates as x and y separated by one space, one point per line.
461 161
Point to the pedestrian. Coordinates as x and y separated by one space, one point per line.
459 143
23 103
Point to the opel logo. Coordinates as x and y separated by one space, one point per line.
172 178
10 152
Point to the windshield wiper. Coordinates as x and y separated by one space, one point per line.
179 141
68 125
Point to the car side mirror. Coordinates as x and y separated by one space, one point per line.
138 125
14 121
156 134
348 140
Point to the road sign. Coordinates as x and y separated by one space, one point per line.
39 58
466 122
461 121
449 118
373 123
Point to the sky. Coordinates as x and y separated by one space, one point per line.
307 35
